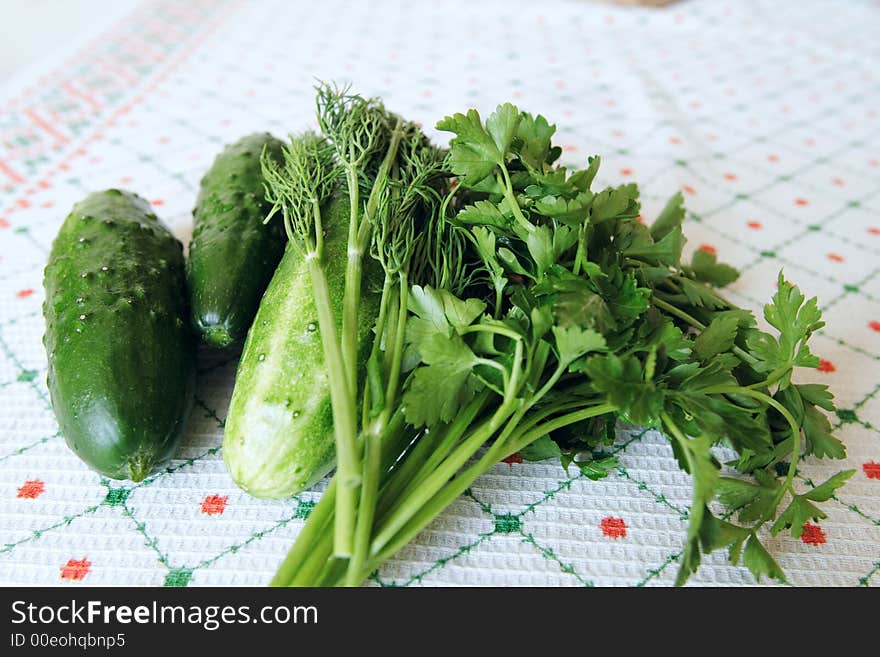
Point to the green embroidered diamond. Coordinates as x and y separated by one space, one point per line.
178 577
27 375
304 510
117 496
847 415
507 523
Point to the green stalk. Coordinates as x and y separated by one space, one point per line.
367 507
428 453
344 414
317 521
397 345
795 438
320 551
581 253
374 379
353 274
374 438
693 321
512 203
437 503
413 500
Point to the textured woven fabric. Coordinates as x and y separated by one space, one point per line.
764 114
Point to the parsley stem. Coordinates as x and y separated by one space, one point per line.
678 312
402 512
317 522
772 378
500 449
512 203
795 437
693 321
432 447
490 328
698 501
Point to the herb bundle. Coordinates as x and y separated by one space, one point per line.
524 312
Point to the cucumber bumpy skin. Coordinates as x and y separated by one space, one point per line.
279 439
233 255
120 348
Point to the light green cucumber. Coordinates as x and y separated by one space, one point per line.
279 438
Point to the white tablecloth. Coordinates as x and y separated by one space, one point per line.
764 113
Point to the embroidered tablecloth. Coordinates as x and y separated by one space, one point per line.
764 114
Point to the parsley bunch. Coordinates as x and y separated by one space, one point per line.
564 315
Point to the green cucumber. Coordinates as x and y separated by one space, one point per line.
232 254
118 341
279 439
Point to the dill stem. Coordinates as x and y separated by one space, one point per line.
344 412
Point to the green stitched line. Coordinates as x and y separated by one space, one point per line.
150 541
37 533
18 364
684 514
441 563
550 555
864 581
25 448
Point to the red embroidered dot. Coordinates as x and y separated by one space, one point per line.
617 133
76 569
872 470
839 182
626 172
4 223
24 294
674 140
31 489
640 219
874 326
125 180
687 189
164 140
801 201
157 201
835 257
813 534
708 248
873 230
514 458
730 176
613 527
773 158
874 163
754 225
826 366
214 504
569 148
810 142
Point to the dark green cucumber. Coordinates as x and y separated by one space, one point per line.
279 438
118 341
232 255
